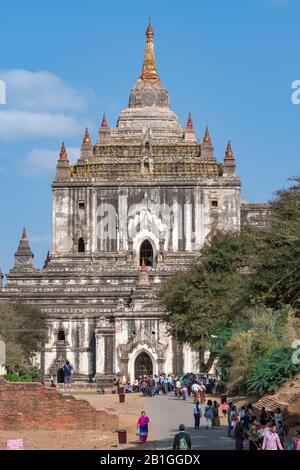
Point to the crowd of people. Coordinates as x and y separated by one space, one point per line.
266 431
182 385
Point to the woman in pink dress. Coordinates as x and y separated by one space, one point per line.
142 427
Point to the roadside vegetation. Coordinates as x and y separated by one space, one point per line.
240 297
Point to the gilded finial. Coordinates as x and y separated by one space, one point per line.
24 236
104 122
86 139
207 137
149 72
63 153
229 153
189 122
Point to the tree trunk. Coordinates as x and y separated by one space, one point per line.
206 366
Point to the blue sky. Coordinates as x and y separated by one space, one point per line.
230 62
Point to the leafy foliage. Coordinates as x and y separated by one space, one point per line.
23 328
236 300
29 374
244 348
272 370
277 274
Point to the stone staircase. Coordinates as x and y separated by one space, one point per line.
287 398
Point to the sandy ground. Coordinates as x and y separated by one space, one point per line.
85 440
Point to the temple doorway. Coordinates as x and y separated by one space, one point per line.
146 253
60 376
143 365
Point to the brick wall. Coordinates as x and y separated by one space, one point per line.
33 406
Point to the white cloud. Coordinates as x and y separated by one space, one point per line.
15 125
43 160
42 91
42 239
41 104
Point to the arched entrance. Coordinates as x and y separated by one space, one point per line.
143 365
146 253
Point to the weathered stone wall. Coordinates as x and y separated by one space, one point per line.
32 406
107 218
257 215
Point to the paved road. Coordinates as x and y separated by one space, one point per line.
166 413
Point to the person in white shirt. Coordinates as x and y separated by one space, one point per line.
178 386
195 390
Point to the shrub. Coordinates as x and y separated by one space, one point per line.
275 368
27 375
18 378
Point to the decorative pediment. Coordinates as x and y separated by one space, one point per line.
142 338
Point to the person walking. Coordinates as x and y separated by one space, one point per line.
246 423
166 385
142 427
280 432
184 391
229 425
208 414
242 412
216 418
202 391
263 416
195 391
182 440
278 417
68 370
197 414
234 419
152 385
271 440
177 388
253 435
239 434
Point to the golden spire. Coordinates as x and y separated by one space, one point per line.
86 139
63 153
149 67
229 154
24 236
207 137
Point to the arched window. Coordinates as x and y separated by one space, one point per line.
146 253
61 335
81 245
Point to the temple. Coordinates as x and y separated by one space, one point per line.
137 206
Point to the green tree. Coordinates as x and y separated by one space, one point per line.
24 330
209 297
250 279
277 274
